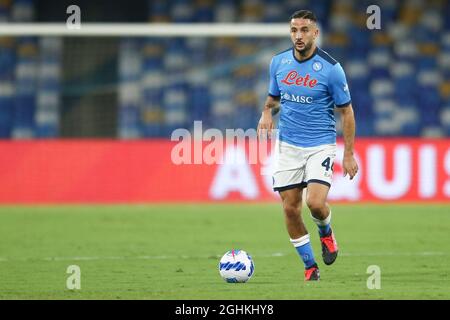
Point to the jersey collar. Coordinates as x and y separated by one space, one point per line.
302 61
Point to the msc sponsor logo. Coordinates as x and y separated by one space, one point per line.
296 98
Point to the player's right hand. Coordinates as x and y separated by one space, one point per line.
265 125
350 166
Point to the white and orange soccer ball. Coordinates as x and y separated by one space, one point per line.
236 266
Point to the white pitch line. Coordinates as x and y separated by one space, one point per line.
393 254
271 255
164 257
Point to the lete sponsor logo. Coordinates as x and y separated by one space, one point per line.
293 78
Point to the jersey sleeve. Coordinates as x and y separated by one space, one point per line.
338 86
274 91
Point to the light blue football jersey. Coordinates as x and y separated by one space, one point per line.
308 90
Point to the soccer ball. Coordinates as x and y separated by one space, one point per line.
236 266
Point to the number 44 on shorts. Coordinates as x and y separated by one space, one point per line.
327 164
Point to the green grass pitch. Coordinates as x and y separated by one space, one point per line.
172 252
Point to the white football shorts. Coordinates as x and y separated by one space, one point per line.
295 167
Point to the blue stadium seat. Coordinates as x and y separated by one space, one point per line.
273 12
182 11
129 100
48 92
225 11
158 8
204 12
25 88
388 74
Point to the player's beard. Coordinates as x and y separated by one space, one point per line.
304 52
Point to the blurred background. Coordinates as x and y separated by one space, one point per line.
119 98
119 87
87 170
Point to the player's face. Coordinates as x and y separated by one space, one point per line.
303 34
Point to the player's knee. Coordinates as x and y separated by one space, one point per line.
291 211
315 205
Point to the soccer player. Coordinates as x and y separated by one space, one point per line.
308 84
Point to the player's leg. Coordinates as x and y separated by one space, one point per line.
321 214
319 169
320 211
292 202
288 180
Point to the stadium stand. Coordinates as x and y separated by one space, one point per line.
399 76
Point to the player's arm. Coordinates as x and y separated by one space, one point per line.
271 106
265 125
342 99
349 164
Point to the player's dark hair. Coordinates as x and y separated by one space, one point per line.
304 14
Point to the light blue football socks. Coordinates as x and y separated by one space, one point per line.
324 225
304 249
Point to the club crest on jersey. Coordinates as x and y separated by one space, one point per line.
317 66
293 78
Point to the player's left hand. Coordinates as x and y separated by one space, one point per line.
350 166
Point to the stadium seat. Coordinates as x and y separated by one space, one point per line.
164 83
385 65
